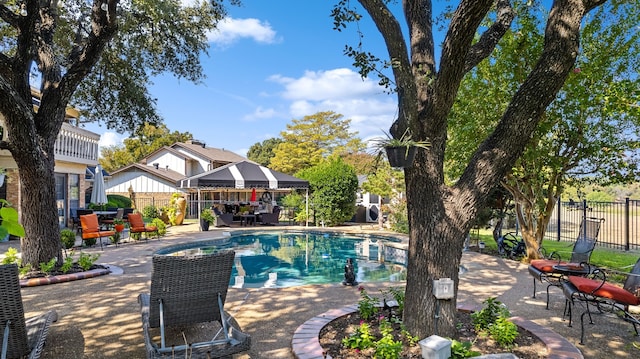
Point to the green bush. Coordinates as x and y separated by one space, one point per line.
68 238
150 212
47 267
333 185
85 261
162 227
503 332
118 201
488 315
11 256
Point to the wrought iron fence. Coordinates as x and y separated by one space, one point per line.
620 227
142 202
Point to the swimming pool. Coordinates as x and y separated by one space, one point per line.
272 259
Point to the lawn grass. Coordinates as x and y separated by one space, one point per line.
608 258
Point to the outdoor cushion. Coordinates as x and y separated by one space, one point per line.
546 265
609 291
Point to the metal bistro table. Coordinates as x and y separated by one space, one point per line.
102 215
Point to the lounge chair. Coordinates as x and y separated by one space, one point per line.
604 296
20 338
91 228
543 269
136 225
222 219
271 218
185 291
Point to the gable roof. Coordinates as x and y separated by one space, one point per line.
243 174
166 174
210 153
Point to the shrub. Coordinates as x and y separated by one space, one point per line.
85 261
489 314
462 350
150 212
67 264
118 201
68 238
333 185
47 267
503 332
367 306
162 227
11 256
90 242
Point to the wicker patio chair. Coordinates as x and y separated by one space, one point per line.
595 291
543 269
189 290
20 338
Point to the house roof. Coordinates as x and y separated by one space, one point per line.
211 153
166 174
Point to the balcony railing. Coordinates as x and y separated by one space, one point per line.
77 145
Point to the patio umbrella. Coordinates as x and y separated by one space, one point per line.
98 195
253 195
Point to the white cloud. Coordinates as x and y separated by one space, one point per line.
323 85
109 139
342 91
231 30
261 113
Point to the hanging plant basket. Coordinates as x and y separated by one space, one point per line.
400 156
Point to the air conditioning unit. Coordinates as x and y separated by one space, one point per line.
373 212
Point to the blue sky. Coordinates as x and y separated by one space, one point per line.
271 62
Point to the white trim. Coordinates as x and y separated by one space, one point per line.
237 176
273 182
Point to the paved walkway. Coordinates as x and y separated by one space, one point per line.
99 317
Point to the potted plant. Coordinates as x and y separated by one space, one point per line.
118 224
400 151
206 218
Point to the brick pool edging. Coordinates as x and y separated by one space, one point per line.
33 282
305 343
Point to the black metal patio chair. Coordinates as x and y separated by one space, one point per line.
546 269
596 292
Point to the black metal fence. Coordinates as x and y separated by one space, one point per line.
620 227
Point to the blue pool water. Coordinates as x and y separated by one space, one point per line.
286 259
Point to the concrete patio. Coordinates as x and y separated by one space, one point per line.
99 317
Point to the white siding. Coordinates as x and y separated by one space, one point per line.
171 160
140 182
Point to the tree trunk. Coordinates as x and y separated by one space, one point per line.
32 148
435 250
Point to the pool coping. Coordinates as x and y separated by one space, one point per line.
305 343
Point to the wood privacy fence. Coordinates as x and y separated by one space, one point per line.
620 227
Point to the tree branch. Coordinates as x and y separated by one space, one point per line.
464 24
489 39
391 31
507 142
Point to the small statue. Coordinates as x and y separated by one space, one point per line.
349 275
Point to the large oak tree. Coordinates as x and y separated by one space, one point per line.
98 55
440 215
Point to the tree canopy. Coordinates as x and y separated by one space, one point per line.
589 132
99 56
149 138
263 152
308 141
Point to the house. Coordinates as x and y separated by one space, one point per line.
75 150
155 178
